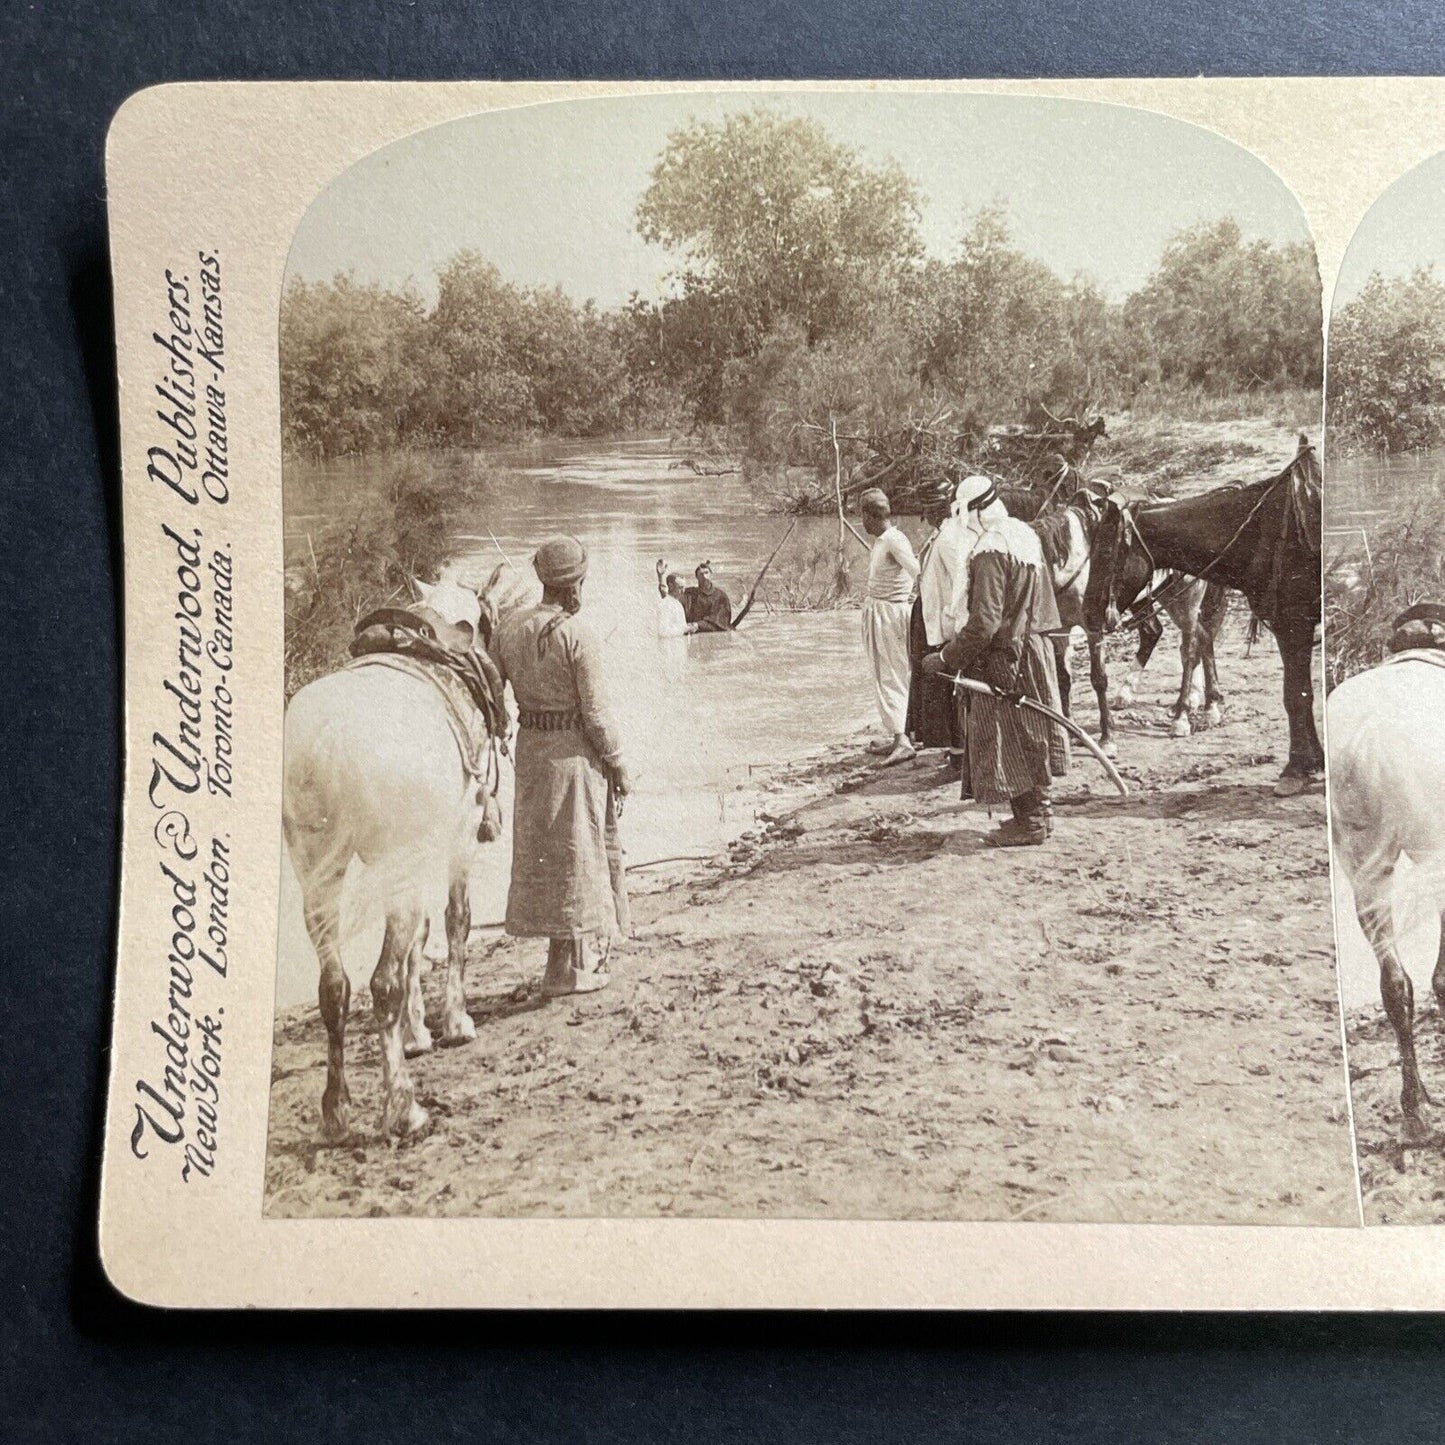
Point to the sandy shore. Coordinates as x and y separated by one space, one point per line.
862 1012
1400 1185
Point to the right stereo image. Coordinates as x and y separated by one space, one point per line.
1384 633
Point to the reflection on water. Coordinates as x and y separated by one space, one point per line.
1363 491
697 714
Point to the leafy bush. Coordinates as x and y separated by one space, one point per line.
1403 564
1387 366
405 529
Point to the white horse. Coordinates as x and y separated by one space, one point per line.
373 771
1386 736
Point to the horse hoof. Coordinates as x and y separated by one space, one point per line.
1415 1131
404 1118
336 1125
418 1044
1124 697
1289 787
1212 716
458 1031
1109 750
1180 728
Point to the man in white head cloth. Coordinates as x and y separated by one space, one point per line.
942 563
892 572
1013 753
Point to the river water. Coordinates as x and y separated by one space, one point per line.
1360 493
700 716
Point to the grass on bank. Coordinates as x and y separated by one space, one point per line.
403 528
1403 563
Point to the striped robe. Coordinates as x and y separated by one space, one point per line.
1011 750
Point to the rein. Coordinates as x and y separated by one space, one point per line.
1154 603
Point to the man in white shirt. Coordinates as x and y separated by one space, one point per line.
671 613
892 573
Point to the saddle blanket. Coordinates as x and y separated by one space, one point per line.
463 717
1433 655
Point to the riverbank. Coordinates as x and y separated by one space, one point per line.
859 1011
1399 1185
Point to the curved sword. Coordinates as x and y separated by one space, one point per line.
972 684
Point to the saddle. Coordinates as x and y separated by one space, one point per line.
420 634
1418 628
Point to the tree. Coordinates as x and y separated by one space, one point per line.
476 328
1387 364
774 222
351 366
1225 314
987 324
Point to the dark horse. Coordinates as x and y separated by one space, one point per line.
1067 532
1259 538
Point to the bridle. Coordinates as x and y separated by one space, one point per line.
1158 598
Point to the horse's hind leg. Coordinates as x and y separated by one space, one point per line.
1306 754
416 1037
1099 677
1182 725
321 892
400 1113
1212 612
1376 915
1062 648
457 1025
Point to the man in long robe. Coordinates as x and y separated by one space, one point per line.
1014 753
568 879
933 719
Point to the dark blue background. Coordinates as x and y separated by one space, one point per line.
77 1362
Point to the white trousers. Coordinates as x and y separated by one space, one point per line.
885 639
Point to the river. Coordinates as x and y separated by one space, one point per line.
700 716
1360 493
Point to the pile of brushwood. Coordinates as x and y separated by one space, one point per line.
911 460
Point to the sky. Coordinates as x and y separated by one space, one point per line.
548 192
1404 229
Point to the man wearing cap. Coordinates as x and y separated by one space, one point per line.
892 573
707 605
568 881
1013 753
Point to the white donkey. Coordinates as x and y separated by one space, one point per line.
372 770
1385 731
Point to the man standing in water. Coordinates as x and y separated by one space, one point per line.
705 608
892 571
708 606
1013 753
672 603
569 884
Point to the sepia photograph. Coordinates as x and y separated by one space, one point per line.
802 681
1385 637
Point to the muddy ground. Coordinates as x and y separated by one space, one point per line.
862 1012
1399 1184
